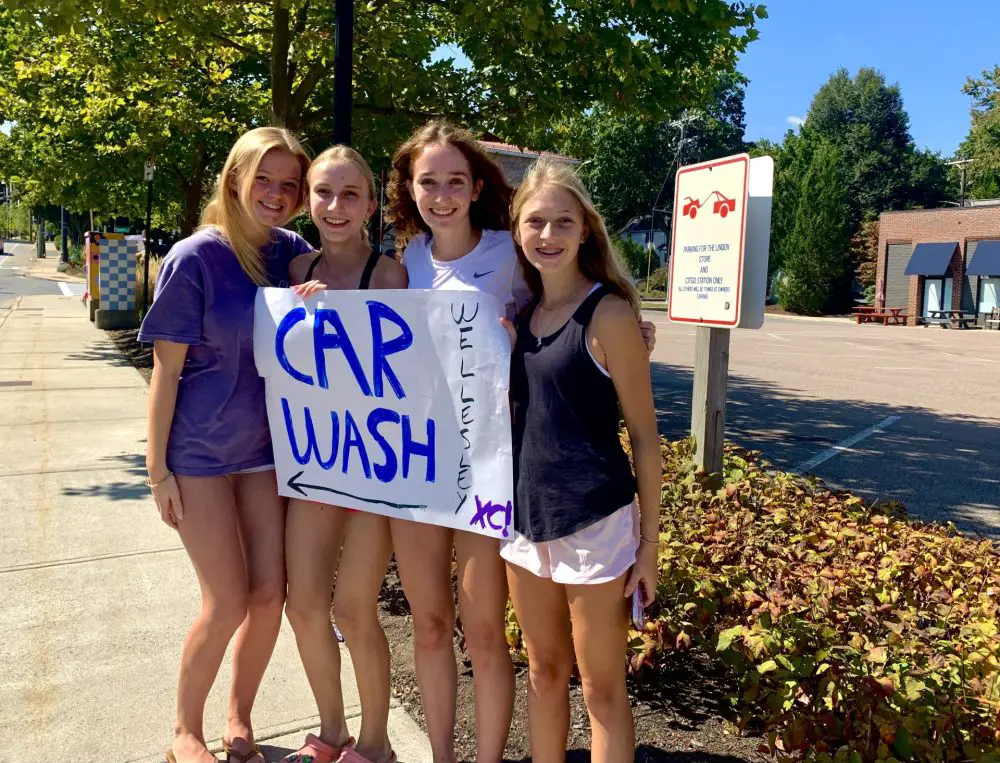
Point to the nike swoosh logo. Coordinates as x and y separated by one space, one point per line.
480 275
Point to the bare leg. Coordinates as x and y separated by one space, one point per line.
600 633
363 561
262 524
210 536
423 555
482 603
313 535
543 615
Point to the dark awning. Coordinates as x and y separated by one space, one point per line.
986 260
931 259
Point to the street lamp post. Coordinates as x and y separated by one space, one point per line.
64 254
343 65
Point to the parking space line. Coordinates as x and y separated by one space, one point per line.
844 445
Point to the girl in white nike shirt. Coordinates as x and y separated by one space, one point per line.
450 205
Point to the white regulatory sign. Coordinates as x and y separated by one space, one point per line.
149 170
709 240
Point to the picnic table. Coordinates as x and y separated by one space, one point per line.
887 316
993 319
949 318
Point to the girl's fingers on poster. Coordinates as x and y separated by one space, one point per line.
648 330
309 288
511 331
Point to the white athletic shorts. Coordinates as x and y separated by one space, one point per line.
598 553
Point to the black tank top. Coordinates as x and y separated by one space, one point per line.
366 274
569 466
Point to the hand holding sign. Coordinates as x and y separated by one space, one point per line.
393 402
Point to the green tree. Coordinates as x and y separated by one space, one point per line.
107 83
983 142
864 117
816 250
629 160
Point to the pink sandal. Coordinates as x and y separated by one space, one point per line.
322 752
351 755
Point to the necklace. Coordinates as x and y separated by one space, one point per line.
554 309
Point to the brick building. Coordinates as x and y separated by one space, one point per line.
960 272
515 162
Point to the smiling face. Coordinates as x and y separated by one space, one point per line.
550 228
274 193
443 187
339 201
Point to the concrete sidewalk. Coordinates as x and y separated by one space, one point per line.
97 592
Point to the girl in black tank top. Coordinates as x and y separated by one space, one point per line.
579 364
341 201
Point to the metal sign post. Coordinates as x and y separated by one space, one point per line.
718 278
148 173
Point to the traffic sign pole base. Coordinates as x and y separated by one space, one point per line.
116 319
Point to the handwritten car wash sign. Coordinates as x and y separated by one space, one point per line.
393 402
709 240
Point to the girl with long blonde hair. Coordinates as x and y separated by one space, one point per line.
581 545
325 542
209 457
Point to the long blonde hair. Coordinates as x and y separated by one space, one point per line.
344 153
597 259
229 208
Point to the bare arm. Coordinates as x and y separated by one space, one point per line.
389 274
168 362
617 340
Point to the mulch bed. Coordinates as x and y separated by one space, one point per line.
680 709
140 355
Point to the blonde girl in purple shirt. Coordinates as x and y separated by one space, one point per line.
211 468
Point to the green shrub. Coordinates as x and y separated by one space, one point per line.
632 255
659 280
853 634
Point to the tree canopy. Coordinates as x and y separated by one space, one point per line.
95 87
982 145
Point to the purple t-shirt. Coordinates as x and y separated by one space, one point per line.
205 300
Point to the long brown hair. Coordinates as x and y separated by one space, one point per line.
342 153
491 211
229 208
597 259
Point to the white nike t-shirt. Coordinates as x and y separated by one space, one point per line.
492 266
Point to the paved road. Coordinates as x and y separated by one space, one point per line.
799 388
14 283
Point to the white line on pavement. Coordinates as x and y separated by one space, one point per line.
779 338
844 445
64 288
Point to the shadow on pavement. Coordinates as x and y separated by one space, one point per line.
942 468
133 464
100 353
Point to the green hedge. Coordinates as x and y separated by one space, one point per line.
853 634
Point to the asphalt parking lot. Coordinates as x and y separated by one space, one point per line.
890 412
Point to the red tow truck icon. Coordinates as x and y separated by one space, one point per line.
722 205
691 207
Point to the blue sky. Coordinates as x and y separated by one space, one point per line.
928 47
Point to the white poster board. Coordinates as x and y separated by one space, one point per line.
393 402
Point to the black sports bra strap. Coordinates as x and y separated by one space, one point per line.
366 275
312 267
